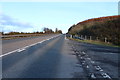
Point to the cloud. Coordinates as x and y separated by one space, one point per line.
9 24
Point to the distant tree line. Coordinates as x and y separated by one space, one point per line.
17 33
102 27
45 31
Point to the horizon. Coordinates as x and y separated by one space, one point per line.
32 17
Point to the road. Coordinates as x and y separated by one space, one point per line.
98 61
13 44
58 57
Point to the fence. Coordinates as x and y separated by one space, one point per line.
85 37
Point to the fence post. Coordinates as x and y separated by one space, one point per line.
85 37
81 36
97 38
90 37
105 39
70 36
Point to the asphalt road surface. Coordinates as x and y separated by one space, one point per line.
98 61
57 57
13 44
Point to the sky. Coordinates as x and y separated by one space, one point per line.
34 16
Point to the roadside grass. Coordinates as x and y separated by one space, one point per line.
35 35
95 42
9 38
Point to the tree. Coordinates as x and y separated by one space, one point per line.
59 31
56 30
1 33
47 30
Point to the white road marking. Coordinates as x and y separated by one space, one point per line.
93 62
105 75
98 68
81 57
89 59
8 53
93 76
101 70
87 66
77 52
83 63
83 52
21 49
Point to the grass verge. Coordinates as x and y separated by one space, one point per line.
95 42
9 38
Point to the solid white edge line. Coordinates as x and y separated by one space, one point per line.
20 50
8 53
17 50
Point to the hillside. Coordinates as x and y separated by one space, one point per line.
101 27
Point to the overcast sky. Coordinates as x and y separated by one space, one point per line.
33 16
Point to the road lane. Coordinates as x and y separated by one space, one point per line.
62 58
11 45
50 59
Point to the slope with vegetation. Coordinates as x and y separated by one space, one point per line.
103 27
